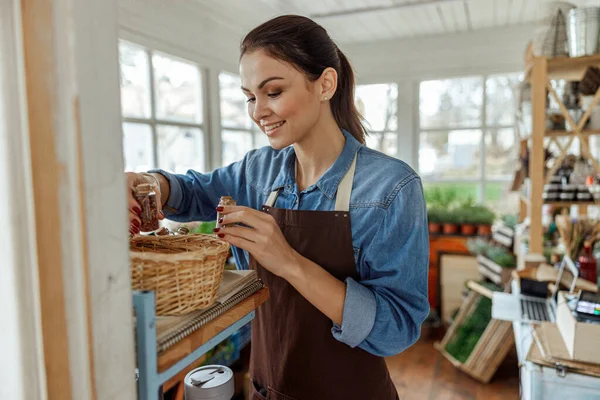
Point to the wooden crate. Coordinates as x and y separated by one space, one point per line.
489 269
493 345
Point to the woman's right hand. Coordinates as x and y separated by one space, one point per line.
134 208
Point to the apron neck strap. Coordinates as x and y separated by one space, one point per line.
342 198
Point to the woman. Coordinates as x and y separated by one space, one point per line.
341 235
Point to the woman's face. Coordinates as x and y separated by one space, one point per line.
281 101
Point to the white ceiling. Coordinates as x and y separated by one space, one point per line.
354 21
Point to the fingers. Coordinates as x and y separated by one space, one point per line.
239 242
248 234
134 223
256 219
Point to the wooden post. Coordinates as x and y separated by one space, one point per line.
536 161
72 85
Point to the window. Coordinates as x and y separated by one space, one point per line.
161 104
467 137
239 134
379 106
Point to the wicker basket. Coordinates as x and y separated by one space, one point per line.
184 271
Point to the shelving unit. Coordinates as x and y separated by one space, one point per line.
158 369
540 71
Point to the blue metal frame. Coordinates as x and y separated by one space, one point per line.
150 380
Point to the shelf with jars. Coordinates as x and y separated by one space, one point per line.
556 121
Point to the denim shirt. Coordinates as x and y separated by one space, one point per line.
385 307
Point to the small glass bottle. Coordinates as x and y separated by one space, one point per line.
226 201
587 263
146 197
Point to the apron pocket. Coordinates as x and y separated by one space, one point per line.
256 392
275 395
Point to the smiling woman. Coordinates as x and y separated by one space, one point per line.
342 253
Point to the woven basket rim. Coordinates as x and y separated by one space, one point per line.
217 247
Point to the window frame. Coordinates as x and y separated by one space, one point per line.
154 122
484 127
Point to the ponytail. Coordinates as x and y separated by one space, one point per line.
306 45
342 104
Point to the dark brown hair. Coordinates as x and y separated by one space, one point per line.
307 46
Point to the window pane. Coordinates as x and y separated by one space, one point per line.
177 89
386 143
451 103
137 147
463 190
234 110
378 105
450 155
135 81
180 148
500 156
235 145
500 106
498 196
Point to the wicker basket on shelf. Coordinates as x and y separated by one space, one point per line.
184 271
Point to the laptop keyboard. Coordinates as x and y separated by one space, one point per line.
534 310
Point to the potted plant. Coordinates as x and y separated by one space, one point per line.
483 217
468 222
434 219
450 222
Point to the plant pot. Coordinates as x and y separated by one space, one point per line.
484 230
450 229
468 229
434 227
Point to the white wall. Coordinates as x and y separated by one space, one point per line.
410 61
481 52
22 362
181 28
198 33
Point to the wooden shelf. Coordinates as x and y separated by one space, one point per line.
569 68
571 203
184 347
554 134
562 203
568 133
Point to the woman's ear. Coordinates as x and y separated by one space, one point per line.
328 82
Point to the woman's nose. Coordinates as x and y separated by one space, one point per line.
261 110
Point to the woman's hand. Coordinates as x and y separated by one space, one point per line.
262 238
134 179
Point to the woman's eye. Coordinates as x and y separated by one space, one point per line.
251 100
274 95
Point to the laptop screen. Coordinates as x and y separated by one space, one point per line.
567 275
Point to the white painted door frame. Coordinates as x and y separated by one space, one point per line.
65 293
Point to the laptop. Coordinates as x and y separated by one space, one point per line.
518 307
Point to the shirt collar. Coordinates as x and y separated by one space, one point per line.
330 180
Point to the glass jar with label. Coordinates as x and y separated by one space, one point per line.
146 197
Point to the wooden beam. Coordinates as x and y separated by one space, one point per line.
41 83
536 161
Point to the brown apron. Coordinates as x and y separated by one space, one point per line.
294 355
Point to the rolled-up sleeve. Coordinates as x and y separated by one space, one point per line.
193 196
383 312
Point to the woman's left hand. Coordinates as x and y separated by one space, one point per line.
262 238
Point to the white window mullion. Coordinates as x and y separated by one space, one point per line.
152 110
484 132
